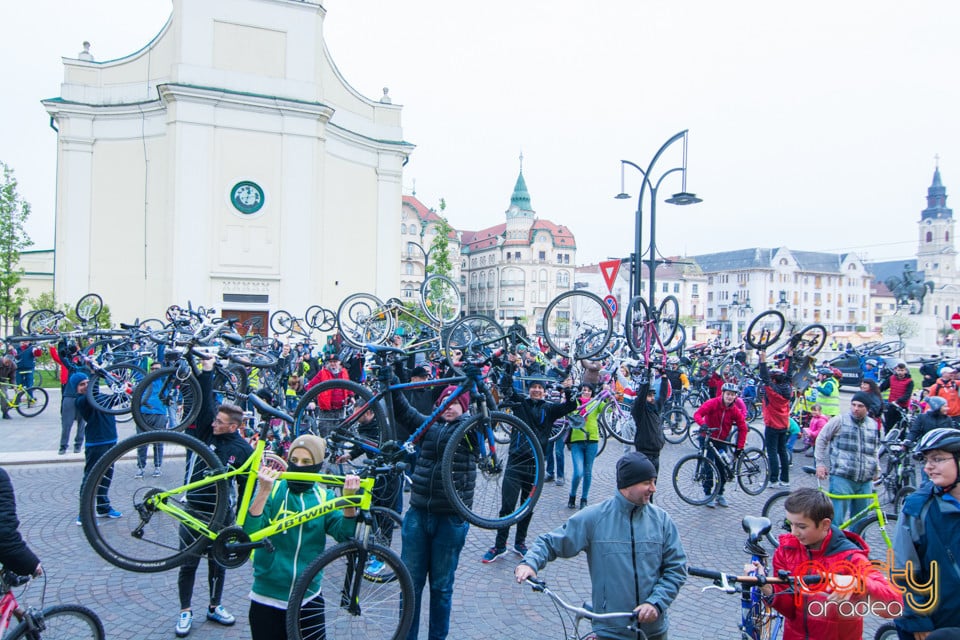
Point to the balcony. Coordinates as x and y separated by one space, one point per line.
511 303
511 283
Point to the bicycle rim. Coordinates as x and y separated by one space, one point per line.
676 426
338 406
29 408
144 539
634 319
812 339
476 470
63 622
89 307
695 479
472 334
440 299
110 390
577 324
668 318
618 422
362 320
752 471
868 528
765 329
351 606
179 398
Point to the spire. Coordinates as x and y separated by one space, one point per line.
521 197
936 197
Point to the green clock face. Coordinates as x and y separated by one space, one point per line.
247 197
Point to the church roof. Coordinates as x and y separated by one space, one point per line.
521 197
936 199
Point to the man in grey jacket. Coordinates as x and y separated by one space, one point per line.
636 560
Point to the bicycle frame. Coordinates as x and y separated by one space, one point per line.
9 609
874 506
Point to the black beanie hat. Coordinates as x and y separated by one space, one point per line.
863 398
634 467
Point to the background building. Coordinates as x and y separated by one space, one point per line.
419 226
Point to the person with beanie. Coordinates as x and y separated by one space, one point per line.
846 451
101 434
276 569
636 560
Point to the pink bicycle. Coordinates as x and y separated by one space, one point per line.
60 622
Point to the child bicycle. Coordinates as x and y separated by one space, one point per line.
57 622
696 476
584 612
168 522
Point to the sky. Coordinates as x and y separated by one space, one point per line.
811 125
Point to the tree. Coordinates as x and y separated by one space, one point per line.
14 212
900 326
439 251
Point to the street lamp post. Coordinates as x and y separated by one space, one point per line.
682 198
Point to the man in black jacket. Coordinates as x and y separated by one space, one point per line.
648 438
520 472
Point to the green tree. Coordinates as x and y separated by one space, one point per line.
900 326
14 211
439 250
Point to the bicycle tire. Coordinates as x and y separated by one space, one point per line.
488 469
675 424
812 339
905 491
752 471
886 631
28 408
359 322
24 321
43 322
558 430
180 397
868 528
765 329
344 418
689 475
440 299
888 348
151 324
229 382
381 609
774 510
145 540
577 324
473 333
668 318
615 420
601 442
801 445
111 388
252 358
62 622
633 325
281 322
273 461
89 307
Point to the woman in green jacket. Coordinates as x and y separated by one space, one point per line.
583 439
276 571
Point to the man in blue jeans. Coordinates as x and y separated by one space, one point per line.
433 531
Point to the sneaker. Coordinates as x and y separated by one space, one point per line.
521 549
113 514
184 624
221 616
560 481
374 566
79 524
583 502
156 472
712 503
493 553
774 485
77 447
572 502
784 485
549 478
62 451
722 501
139 474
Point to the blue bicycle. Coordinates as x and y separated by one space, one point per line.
344 408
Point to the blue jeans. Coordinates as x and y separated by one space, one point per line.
843 509
556 454
776 441
432 545
582 454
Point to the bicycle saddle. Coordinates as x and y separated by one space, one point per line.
756 526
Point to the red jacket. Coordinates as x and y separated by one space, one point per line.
810 619
335 398
720 419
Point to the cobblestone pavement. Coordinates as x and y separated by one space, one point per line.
487 602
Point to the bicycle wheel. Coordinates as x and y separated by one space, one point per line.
476 471
765 329
440 299
812 339
888 348
362 321
145 539
62 622
89 307
695 479
229 383
252 358
676 425
577 324
773 509
472 334
174 391
897 506
601 442
338 405
886 631
281 322
384 531
111 388
752 471
668 318
558 430
43 321
615 419
273 461
334 598
868 528
151 324
31 401
633 325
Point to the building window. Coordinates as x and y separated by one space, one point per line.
694 289
566 258
408 291
563 278
929 236
516 255
408 268
676 287
403 228
665 287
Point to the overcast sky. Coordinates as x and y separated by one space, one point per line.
812 125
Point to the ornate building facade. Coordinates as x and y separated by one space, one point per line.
419 226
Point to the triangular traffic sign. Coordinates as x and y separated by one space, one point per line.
609 270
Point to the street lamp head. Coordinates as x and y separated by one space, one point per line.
622 196
683 198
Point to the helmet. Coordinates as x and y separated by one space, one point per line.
945 438
729 386
900 363
871 362
825 371
673 360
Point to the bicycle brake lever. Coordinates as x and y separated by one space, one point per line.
727 589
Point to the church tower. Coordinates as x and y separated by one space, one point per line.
936 255
520 215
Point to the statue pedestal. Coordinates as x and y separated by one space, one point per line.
924 342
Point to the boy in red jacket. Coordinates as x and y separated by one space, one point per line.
850 586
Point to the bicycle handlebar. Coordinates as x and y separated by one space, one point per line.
264 408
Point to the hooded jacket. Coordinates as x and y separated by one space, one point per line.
101 427
776 400
928 421
720 419
634 555
819 622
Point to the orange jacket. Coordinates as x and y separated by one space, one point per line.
947 391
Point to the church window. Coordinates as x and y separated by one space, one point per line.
929 236
946 237
408 268
408 291
783 262
403 228
566 258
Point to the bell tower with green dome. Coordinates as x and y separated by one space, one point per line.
520 215
936 253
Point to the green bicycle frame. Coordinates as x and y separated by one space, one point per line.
874 505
